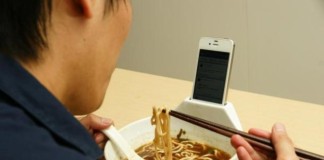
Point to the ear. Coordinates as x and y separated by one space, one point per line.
83 7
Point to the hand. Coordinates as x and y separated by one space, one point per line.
282 143
94 124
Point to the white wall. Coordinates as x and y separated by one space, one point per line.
279 43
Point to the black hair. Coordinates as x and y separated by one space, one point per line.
23 26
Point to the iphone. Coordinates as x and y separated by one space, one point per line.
215 56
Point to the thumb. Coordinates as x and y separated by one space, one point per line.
282 143
92 121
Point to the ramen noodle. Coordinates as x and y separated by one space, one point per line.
162 138
164 147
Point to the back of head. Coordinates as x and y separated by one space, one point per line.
23 27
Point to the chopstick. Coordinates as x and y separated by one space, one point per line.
261 143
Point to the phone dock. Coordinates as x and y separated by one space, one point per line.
224 115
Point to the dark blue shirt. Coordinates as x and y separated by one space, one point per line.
34 125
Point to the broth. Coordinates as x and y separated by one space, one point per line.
184 149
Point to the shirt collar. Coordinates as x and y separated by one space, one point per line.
35 99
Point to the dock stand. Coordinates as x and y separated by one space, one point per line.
225 115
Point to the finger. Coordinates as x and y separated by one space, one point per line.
242 154
260 133
92 121
282 143
99 138
237 142
102 145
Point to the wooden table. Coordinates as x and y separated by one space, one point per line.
131 95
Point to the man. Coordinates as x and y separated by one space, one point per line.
56 60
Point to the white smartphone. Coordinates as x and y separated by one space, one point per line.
213 69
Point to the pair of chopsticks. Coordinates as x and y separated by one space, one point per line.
260 143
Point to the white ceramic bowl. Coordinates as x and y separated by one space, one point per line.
141 132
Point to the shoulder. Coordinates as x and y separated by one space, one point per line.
21 137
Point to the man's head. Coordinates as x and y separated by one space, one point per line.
23 27
70 46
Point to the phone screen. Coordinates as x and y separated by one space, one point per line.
211 76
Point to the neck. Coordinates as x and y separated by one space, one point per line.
48 71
